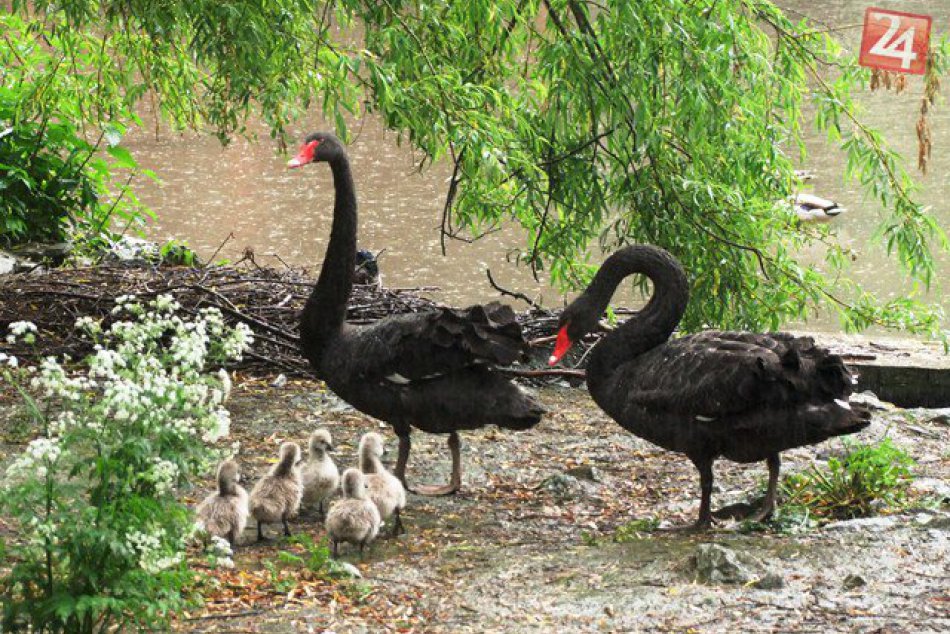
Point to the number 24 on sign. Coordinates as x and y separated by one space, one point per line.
895 41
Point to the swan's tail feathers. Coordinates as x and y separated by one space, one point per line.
833 376
490 331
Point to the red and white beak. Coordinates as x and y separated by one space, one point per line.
304 156
561 346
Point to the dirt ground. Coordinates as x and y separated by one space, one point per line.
540 537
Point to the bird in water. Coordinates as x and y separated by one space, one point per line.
741 396
811 208
438 370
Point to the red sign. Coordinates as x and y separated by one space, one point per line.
895 41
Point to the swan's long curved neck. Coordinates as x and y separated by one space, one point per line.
325 311
647 329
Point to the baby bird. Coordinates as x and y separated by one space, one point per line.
385 489
354 519
276 496
224 513
320 475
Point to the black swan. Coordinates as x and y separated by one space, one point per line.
434 370
743 396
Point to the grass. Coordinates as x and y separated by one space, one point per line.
870 479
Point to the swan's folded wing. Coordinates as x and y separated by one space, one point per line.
717 374
412 347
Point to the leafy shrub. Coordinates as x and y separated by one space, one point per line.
868 478
56 184
100 537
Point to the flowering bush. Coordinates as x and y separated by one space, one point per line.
101 538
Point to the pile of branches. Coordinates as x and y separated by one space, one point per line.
268 300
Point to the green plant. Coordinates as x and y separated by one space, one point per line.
59 179
634 530
868 478
99 537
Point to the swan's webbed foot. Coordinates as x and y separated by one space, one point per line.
455 481
435 490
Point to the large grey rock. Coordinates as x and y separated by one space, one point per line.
7 263
54 252
563 486
718 564
771 581
870 399
933 487
873 524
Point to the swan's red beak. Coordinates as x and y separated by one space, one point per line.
304 156
561 346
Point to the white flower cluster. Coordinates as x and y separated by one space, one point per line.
25 329
89 325
8 360
220 552
162 474
53 381
238 341
40 455
148 547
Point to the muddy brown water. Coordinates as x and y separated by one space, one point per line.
208 192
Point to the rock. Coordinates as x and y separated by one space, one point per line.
933 487
55 252
853 581
863 523
584 472
718 564
128 248
280 381
938 416
563 486
870 399
771 581
7 263
345 569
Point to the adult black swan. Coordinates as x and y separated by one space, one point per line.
435 370
742 396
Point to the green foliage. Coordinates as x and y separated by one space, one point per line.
634 530
99 538
869 478
56 184
591 125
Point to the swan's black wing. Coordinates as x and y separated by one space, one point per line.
716 374
433 343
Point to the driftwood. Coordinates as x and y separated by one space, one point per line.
268 300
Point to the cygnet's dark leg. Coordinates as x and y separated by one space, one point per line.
768 505
232 538
320 512
455 482
283 519
260 532
336 549
362 546
403 458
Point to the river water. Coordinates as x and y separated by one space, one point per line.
209 192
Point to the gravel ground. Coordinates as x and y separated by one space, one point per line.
540 537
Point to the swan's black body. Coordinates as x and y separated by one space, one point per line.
434 370
741 396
